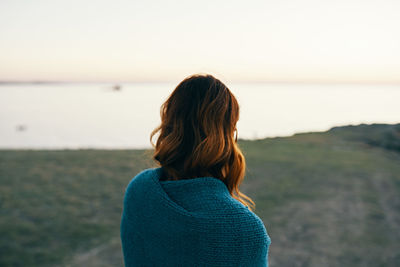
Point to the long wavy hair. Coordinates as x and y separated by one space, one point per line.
197 134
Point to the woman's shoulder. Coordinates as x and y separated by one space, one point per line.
139 182
260 228
250 223
141 177
242 227
255 231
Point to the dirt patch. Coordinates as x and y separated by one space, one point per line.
314 233
105 255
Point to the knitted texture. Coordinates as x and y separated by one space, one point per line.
189 222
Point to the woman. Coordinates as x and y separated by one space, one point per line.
189 211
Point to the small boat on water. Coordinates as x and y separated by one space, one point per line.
20 127
117 87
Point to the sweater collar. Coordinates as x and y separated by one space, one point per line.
190 194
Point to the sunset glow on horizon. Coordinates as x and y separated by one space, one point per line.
291 41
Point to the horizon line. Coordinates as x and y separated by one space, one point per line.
310 81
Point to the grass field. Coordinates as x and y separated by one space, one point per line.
327 199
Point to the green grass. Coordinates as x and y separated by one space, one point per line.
327 199
54 203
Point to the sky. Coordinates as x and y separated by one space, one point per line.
261 41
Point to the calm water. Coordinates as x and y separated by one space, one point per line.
95 116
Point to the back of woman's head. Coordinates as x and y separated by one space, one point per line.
197 134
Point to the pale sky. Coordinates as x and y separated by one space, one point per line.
280 40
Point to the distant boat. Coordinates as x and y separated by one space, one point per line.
20 128
117 87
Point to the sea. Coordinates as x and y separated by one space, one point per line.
121 116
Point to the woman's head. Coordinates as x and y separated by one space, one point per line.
197 134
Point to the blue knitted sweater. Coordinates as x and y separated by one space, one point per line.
189 222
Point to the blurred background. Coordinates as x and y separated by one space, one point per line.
318 84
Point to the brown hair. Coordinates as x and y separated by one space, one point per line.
198 122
